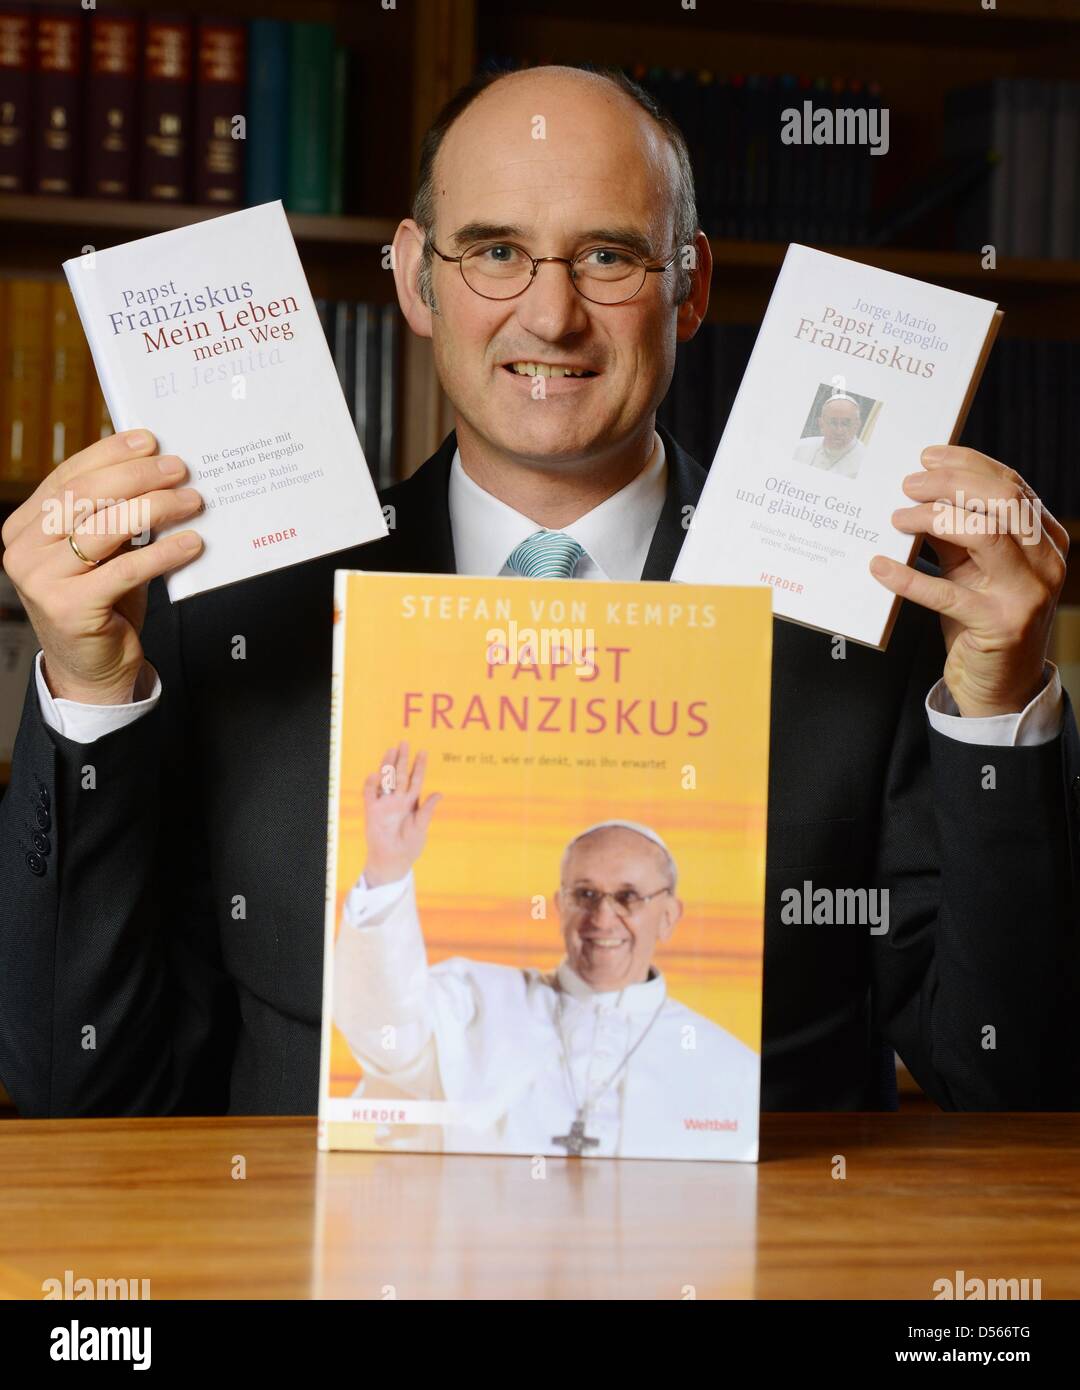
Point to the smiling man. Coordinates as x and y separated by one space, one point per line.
163 838
592 1059
838 447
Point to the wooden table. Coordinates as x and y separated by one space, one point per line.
924 1196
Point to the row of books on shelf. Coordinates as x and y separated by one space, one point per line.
749 184
1028 205
1026 411
163 108
786 157
51 405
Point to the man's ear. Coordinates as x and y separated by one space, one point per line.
697 260
673 909
406 256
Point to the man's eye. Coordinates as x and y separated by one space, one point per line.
604 258
499 253
627 899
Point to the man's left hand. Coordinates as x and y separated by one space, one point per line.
1002 561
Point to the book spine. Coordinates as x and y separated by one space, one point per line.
65 418
336 200
337 680
1064 175
166 116
16 91
311 61
268 111
110 112
219 101
58 67
24 380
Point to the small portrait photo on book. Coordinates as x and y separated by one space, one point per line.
836 435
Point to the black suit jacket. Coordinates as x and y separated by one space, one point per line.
163 886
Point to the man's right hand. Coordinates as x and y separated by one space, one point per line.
395 823
88 619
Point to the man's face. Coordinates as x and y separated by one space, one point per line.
601 170
839 424
607 945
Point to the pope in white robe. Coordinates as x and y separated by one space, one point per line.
838 448
591 1059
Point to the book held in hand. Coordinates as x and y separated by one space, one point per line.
208 336
562 955
854 372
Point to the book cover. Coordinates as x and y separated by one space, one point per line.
208 336
854 372
561 954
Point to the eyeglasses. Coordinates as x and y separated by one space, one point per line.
626 902
601 274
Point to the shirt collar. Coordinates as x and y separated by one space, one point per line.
616 534
632 999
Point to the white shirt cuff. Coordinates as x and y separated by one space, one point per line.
1039 722
369 907
87 723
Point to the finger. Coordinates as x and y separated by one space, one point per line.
106 531
114 578
425 813
1013 503
940 595
387 762
401 767
996 553
416 779
83 499
101 454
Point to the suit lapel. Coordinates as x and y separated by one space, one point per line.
685 479
421 538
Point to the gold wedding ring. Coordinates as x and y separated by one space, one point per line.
86 561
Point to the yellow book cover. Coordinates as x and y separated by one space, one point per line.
71 366
546 867
22 445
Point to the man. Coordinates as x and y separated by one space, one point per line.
592 1059
838 447
163 859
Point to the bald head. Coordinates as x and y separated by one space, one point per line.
555 130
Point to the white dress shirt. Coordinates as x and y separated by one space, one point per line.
513 1054
616 536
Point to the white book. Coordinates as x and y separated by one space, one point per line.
208 336
854 372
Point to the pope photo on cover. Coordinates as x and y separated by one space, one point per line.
591 1059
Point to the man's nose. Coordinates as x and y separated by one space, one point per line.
551 308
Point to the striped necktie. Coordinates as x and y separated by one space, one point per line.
546 555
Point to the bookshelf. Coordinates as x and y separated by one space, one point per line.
414 55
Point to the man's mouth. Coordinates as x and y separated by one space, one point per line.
605 943
548 369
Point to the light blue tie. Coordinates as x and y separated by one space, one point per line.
546 555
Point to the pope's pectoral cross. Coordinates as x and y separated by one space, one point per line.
577 1141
